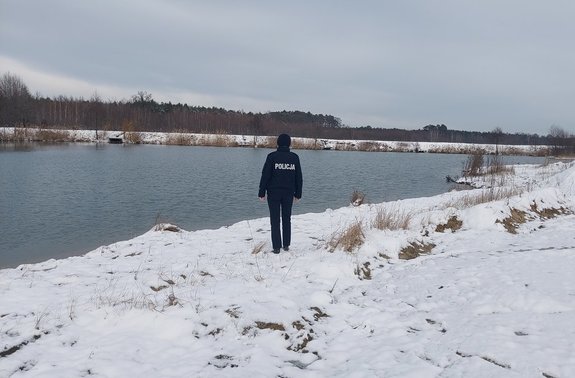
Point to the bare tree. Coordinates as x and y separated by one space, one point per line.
15 101
95 113
559 138
142 98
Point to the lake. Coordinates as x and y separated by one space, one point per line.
67 199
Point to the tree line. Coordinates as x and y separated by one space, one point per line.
18 108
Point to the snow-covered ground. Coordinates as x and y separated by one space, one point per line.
93 136
493 297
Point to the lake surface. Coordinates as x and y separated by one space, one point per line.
62 200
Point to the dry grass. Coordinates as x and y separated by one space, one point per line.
220 140
368 146
518 217
391 219
495 166
349 239
265 142
45 135
180 138
258 248
477 166
477 197
406 147
458 149
125 301
473 165
18 135
305 144
104 133
550 212
513 221
21 135
130 135
133 137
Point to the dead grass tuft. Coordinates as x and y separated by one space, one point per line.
495 166
133 137
477 197
265 142
389 219
519 217
130 135
45 135
258 248
473 165
180 138
305 144
548 213
415 249
221 140
348 239
512 222
368 146
452 224
22 135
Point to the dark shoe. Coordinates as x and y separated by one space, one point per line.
286 248
276 251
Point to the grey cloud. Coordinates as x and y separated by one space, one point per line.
472 65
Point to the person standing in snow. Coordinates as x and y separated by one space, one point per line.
282 179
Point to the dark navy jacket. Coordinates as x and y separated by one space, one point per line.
281 173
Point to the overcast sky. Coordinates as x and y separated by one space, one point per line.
469 64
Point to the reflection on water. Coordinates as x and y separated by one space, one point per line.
60 200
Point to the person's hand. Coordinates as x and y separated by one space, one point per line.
296 200
262 198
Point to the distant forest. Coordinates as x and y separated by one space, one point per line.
18 108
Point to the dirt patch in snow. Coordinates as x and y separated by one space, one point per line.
518 217
513 221
550 212
452 224
415 249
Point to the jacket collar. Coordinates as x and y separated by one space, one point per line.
283 148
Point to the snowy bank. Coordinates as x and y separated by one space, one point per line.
475 283
227 140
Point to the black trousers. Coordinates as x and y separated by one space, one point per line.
280 203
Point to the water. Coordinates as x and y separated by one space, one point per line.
62 200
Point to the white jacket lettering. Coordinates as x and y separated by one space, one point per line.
290 167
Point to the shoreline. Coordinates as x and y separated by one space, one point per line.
9 134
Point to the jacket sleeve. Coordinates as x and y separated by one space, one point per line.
298 179
266 175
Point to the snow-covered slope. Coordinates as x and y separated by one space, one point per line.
492 293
